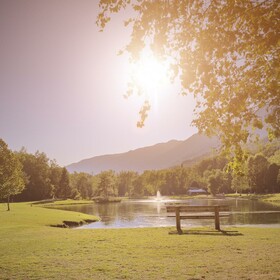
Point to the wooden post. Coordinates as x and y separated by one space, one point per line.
178 220
217 218
8 203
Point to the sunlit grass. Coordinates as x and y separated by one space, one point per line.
64 202
272 198
30 249
25 215
199 196
269 198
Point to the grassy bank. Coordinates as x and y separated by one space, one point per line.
270 198
62 203
30 249
27 215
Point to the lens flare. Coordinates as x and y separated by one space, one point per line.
149 75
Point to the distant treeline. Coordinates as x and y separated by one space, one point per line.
30 177
45 179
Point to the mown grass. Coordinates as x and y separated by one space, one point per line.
199 196
25 215
65 202
30 249
270 198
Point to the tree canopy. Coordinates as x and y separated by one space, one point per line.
224 52
11 175
45 179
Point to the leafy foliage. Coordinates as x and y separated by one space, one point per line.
45 179
64 189
11 175
107 184
257 168
83 183
37 171
226 53
271 178
125 182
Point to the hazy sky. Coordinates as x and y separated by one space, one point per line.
62 84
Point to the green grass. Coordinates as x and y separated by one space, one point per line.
62 203
199 196
25 215
272 198
30 249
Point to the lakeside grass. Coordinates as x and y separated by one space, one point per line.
25 215
269 198
186 196
31 249
272 198
66 202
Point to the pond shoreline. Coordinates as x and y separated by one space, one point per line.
145 213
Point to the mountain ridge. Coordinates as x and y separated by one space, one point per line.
154 157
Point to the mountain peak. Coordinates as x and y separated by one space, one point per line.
155 157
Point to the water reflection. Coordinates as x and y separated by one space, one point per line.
152 213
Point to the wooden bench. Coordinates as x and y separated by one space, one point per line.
201 212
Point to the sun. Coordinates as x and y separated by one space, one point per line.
149 75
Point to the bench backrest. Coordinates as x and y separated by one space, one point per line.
199 208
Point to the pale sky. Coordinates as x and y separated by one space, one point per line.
62 85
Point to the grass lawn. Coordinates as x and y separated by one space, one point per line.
270 198
58 203
31 249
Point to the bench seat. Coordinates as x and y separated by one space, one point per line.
201 212
200 216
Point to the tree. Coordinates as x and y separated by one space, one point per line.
217 162
257 170
107 184
125 182
55 174
152 181
11 175
218 181
138 186
240 183
226 53
64 190
271 178
275 158
37 170
82 183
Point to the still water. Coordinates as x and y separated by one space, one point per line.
152 213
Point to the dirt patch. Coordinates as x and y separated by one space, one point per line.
73 224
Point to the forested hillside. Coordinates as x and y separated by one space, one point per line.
45 179
156 157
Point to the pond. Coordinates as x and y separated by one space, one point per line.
152 213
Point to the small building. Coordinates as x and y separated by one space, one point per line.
196 191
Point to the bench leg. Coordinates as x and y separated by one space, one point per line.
217 218
178 222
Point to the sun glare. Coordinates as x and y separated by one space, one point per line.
149 75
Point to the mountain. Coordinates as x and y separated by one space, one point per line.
159 156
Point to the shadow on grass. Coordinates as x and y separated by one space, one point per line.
208 232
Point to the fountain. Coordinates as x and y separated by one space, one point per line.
158 197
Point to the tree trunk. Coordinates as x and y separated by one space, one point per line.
8 203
